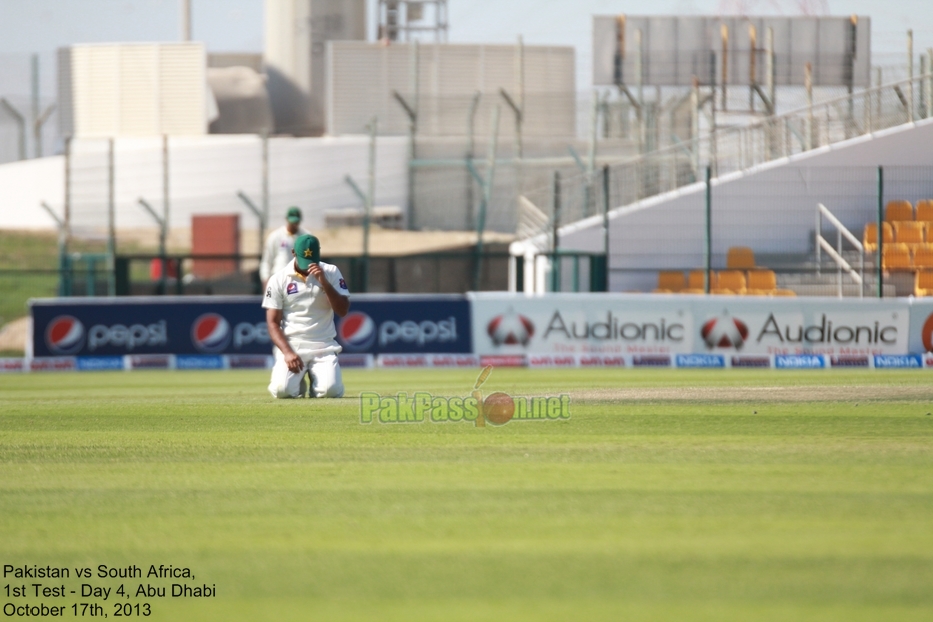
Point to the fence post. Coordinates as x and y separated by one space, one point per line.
880 268
64 279
606 223
111 222
165 213
708 238
910 76
555 235
264 216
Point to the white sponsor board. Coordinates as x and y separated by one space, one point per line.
921 325
643 325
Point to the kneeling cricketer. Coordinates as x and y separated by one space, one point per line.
300 303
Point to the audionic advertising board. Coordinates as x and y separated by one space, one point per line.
648 325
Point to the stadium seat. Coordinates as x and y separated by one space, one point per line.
909 232
696 277
740 258
898 210
925 211
870 238
731 281
784 292
896 257
923 256
670 281
761 282
923 283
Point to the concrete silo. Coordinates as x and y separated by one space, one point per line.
296 36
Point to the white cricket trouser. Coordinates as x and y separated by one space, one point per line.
326 380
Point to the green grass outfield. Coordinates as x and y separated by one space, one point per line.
668 495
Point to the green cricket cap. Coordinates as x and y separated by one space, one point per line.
307 251
293 215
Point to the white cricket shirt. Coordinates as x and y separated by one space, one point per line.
277 251
307 317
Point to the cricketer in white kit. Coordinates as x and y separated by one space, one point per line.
277 250
300 303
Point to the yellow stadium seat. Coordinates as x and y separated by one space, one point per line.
923 283
909 232
870 239
898 210
761 282
923 256
740 258
896 257
733 281
696 277
671 281
925 210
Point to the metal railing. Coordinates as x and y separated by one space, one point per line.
734 149
836 253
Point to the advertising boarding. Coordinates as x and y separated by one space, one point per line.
701 331
221 325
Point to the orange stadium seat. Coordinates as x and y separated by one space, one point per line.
696 277
870 239
731 281
925 210
923 283
761 282
923 256
896 257
740 258
898 210
909 232
670 281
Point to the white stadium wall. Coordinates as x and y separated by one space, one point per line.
771 208
205 174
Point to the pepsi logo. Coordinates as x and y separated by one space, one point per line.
65 335
510 329
210 333
724 332
356 331
928 334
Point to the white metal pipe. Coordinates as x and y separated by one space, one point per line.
910 76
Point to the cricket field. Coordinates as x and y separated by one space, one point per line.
750 495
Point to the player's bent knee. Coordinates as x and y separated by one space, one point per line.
280 391
333 390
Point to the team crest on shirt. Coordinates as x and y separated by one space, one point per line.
343 284
292 288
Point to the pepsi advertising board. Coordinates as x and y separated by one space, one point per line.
400 324
216 325
149 325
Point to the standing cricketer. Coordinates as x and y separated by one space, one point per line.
277 249
300 303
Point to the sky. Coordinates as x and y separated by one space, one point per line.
41 26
